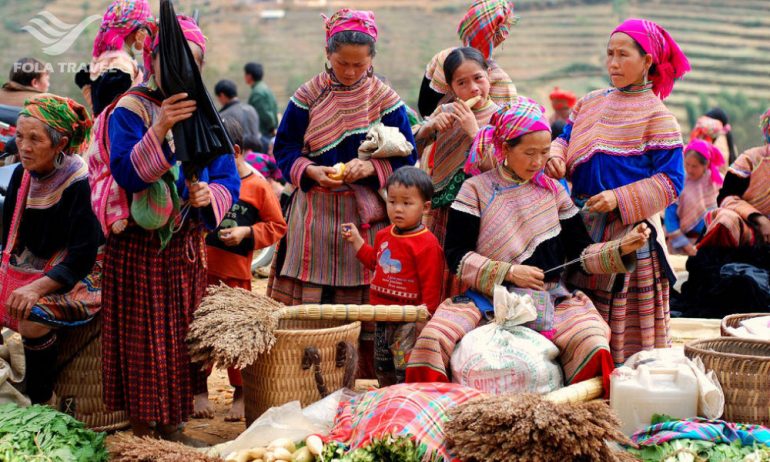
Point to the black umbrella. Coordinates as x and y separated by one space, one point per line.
202 137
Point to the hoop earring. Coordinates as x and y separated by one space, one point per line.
328 69
58 161
370 72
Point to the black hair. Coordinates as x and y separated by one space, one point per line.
643 53
351 37
557 127
458 56
234 130
25 70
227 88
255 70
412 176
701 160
719 114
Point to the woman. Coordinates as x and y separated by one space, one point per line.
714 127
484 27
515 227
685 219
156 278
50 188
622 150
743 216
118 43
324 124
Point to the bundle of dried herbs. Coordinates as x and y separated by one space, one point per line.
129 448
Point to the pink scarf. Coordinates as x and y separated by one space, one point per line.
350 20
712 154
121 19
191 32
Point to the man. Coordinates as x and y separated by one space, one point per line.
262 99
227 93
28 77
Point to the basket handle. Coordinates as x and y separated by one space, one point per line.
346 357
312 359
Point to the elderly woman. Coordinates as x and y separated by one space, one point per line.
622 150
515 227
484 27
324 124
48 191
156 267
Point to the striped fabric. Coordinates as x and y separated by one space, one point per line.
501 87
315 217
221 201
603 258
418 411
715 431
337 111
148 158
486 25
644 198
725 228
697 198
755 164
617 123
46 192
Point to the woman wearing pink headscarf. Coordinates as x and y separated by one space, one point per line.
117 46
622 150
685 219
154 269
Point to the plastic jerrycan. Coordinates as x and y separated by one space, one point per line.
636 395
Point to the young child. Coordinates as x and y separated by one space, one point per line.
408 265
254 222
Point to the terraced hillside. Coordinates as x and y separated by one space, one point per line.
557 42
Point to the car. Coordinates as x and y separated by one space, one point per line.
9 114
6 172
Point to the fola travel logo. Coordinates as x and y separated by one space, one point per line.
57 35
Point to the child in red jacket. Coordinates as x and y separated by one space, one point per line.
408 265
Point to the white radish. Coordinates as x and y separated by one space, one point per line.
282 454
315 444
284 443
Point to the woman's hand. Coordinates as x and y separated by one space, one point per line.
555 168
357 169
21 301
350 233
604 202
200 194
320 174
464 116
762 228
526 277
234 236
440 122
634 240
173 110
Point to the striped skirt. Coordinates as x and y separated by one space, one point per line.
148 302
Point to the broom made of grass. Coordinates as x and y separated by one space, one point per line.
129 448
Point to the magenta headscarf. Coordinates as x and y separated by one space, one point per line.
712 154
121 19
522 116
670 62
353 20
191 32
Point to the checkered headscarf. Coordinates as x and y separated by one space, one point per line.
486 25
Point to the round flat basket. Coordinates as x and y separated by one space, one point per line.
310 359
743 369
734 321
78 386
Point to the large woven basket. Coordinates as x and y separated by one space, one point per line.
734 321
310 359
743 369
79 384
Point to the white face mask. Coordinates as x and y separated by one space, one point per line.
137 52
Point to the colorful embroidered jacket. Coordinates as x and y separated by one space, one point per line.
138 158
747 184
687 214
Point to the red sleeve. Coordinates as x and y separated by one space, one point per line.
367 256
429 261
273 226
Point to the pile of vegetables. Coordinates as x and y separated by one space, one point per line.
702 451
41 434
282 449
386 449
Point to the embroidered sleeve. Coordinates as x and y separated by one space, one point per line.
605 258
481 273
298 169
382 169
644 198
289 142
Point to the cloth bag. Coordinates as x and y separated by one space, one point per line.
12 370
382 142
504 356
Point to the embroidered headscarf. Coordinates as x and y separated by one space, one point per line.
562 99
121 19
523 116
191 32
63 115
709 129
350 20
486 25
712 154
670 62
764 124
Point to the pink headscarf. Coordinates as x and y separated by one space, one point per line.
712 154
522 116
670 62
353 20
486 25
121 19
190 30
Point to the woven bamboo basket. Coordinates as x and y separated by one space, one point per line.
734 321
78 387
363 313
311 358
582 392
743 369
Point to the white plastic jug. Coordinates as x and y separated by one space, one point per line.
636 395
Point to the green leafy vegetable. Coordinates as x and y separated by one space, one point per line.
702 451
386 449
41 434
